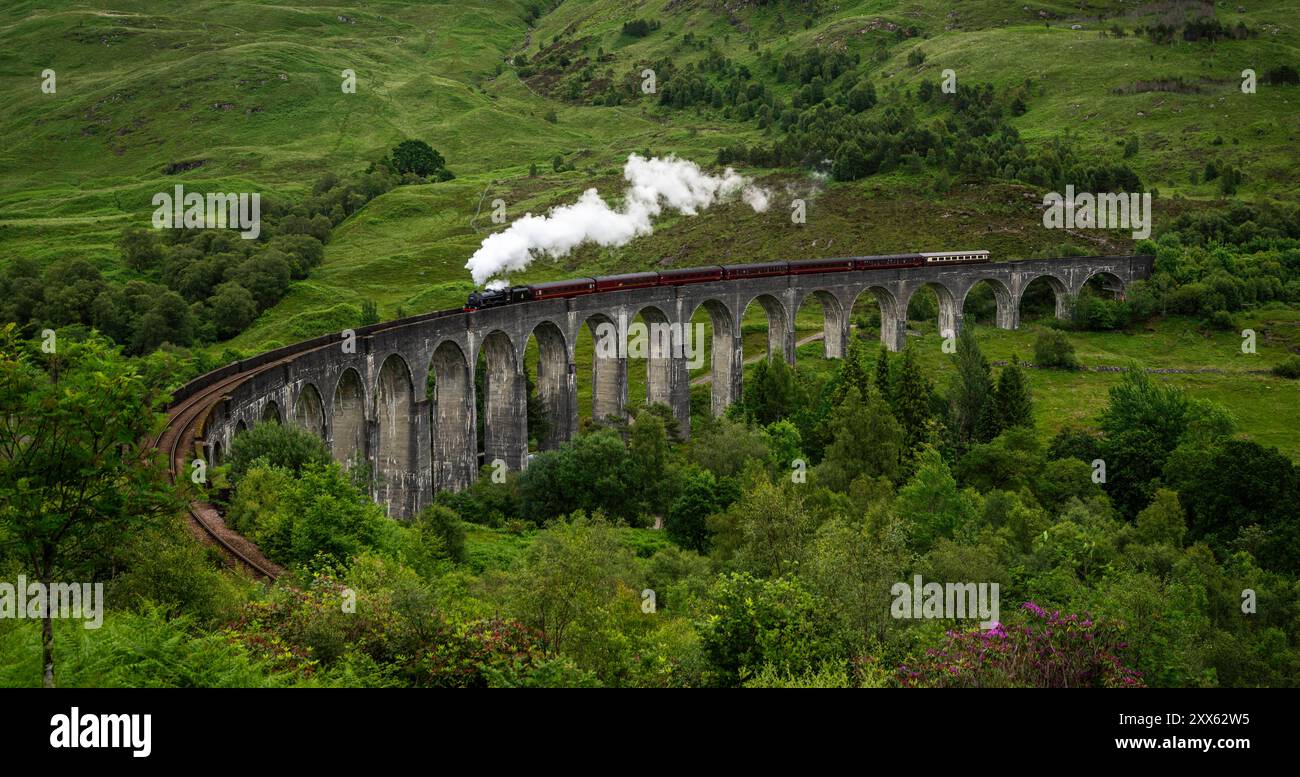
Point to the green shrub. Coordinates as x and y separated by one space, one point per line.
1097 314
484 653
319 513
168 570
1222 320
639 28
753 623
1288 369
593 472
1054 349
275 445
443 523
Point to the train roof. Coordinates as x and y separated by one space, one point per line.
755 265
562 284
856 258
628 276
695 268
831 260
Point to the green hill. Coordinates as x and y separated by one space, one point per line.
251 100
255 94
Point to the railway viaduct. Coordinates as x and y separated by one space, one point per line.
366 395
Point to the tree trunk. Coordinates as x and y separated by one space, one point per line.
47 631
47 646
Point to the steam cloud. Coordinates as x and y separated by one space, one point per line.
653 184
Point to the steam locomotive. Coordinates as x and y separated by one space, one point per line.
575 287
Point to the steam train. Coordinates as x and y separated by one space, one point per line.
575 287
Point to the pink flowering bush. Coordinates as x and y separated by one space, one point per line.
1048 650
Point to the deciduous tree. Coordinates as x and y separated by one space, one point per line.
76 472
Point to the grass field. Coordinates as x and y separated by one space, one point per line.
1211 366
1267 408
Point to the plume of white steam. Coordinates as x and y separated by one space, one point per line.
653 184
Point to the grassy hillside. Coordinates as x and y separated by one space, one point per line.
250 99
257 98
254 94
1100 88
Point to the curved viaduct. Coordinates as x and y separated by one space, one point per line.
368 401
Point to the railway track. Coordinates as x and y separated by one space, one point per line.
179 436
177 440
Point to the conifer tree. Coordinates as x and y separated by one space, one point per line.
971 399
911 400
851 374
866 440
770 392
1015 406
884 381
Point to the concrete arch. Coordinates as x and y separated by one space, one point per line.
780 326
1112 282
835 323
1007 313
726 360
556 386
656 345
395 454
1060 292
528 332
452 412
240 427
608 368
309 410
505 403
949 310
217 454
348 418
893 316
271 412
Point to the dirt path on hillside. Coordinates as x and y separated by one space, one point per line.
705 380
